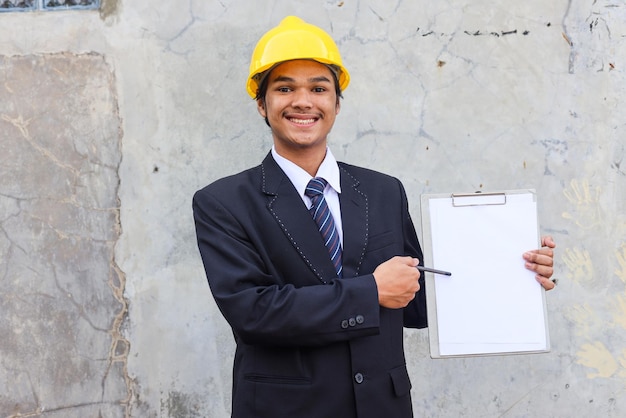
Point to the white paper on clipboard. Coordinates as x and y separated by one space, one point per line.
491 304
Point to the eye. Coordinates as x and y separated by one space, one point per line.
283 89
319 89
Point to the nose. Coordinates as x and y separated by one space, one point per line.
302 99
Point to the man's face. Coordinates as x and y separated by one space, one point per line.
300 105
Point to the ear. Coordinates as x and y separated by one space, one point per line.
337 106
260 107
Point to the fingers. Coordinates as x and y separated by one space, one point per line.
547 241
541 261
544 269
397 280
543 257
545 282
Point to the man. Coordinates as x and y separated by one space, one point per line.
317 311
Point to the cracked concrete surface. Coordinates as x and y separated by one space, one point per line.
62 306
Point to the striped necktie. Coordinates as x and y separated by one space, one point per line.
324 219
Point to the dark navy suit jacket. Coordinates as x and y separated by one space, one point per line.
309 344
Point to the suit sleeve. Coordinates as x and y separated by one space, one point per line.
261 305
415 315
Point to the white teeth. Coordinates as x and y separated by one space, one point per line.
302 121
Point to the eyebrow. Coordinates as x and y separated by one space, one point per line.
285 79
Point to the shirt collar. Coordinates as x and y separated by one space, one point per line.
329 170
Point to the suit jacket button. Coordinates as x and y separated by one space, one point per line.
360 319
352 322
358 378
344 324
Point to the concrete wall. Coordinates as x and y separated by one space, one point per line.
110 120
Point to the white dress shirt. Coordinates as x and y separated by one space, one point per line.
329 171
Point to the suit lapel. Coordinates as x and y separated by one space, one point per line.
354 218
292 216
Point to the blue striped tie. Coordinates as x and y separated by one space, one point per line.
324 219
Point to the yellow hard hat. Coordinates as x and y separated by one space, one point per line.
294 39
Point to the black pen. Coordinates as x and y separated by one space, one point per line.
428 269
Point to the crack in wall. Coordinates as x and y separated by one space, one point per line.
568 38
61 216
120 346
22 126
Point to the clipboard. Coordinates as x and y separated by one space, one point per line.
491 304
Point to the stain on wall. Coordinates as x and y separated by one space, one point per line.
61 301
181 405
600 355
108 8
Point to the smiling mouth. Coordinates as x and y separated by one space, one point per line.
302 121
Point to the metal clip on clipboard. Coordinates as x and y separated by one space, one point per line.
478 199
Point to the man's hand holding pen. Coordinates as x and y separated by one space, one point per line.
397 281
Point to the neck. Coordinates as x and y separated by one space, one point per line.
309 161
